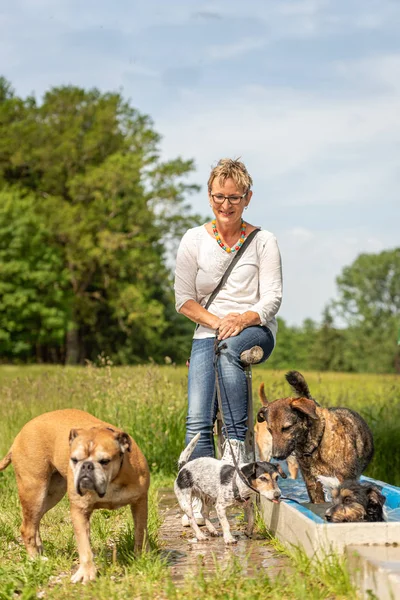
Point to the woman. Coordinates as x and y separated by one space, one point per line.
243 313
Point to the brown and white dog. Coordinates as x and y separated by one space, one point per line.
354 501
334 442
263 439
98 464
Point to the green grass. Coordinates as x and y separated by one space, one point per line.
150 403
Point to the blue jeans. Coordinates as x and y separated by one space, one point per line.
203 404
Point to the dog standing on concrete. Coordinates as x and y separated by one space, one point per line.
98 464
218 484
263 440
354 501
333 442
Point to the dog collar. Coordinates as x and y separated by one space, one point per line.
307 454
236 494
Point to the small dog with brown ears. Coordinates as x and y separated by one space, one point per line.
218 484
354 501
335 442
263 440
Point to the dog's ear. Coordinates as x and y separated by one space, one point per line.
261 415
281 471
263 397
74 434
249 470
375 496
124 441
306 406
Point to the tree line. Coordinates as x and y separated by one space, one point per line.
89 214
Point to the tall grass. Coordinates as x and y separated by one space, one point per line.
150 403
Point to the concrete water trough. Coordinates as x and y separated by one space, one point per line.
373 549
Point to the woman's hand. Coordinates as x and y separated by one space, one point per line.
215 322
230 325
196 313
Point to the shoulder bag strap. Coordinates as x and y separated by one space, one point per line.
230 267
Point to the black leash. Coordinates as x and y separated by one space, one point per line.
291 500
217 352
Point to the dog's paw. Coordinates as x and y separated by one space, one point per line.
214 533
230 540
328 484
84 574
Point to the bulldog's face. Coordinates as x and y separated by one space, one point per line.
96 457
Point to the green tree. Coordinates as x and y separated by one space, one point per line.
284 354
329 350
34 294
369 304
111 207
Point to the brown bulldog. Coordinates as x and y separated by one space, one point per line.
98 464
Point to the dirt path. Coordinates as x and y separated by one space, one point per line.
185 553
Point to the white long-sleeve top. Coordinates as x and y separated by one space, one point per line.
255 283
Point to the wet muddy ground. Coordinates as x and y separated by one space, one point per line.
185 554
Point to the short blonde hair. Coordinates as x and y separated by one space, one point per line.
227 168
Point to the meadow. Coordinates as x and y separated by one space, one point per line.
149 402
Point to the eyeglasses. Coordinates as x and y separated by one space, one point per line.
235 199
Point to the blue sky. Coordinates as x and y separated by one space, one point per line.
307 92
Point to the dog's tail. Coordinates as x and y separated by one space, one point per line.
187 452
298 383
262 395
6 460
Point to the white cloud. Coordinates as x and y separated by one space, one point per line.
322 147
337 149
302 7
381 72
226 51
301 234
377 15
139 69
336 154
370 21
310 268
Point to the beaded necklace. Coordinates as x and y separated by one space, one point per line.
221 243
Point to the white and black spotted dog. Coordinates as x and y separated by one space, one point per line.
218 484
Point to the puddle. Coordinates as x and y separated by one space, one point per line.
185 554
